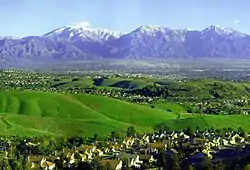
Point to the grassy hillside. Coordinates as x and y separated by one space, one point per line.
171 107
215 121
184 89
102 83
36 113
123 83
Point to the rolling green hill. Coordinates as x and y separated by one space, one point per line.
37 113
204 88
215 121
102 83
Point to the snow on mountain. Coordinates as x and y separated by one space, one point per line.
156 32
81 41
83 31
150 29
223 31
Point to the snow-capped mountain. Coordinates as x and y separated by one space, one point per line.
223 31
83 31
82 42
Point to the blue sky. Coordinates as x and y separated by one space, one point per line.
36 17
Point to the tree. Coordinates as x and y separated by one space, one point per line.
167 129
190 167
161 161
211 129
198 128
114 135
131 131
176 161
219 166
102 167
247 167
189 131
84 165
4 164
75 141
241 132
206 164
229 129
95 137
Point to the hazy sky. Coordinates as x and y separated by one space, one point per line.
36 17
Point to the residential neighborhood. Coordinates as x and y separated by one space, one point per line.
147 151
164 149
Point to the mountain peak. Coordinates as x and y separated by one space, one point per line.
83 30
223 31
149 29
220 30
80 41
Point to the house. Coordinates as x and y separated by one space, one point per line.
171 151
236 138
174 135
47 164
136 162
71 156
182 134
216 141
40 162
146 138
208 153
199 141
131 159
89 154
157 146
35 161
144 150
99 152
32 144
147 159
225 142
83 156
129 142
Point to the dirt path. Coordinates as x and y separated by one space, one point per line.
5 122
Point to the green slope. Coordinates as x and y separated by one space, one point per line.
128 83
36 113
45 105
215 121
124 83
124 111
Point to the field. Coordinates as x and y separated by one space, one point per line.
37 113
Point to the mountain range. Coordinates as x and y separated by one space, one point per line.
146 42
